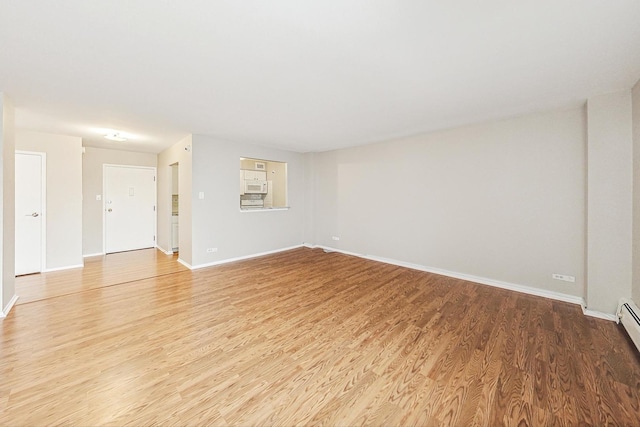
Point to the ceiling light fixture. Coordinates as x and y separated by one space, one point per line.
115 136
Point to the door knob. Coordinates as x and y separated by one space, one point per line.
35 214
109 210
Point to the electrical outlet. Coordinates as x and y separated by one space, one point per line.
335 238
210 250
563 277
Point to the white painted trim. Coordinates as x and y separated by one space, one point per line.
4 313
225 261
284 208
68 267
598 314
185 264
90 255
476 279
484 281
104 197
308 245
43 204
166 252
330 249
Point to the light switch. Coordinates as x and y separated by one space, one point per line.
98 196
201 195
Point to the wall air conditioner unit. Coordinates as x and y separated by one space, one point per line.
629 315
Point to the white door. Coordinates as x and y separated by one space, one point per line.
29 212
129 203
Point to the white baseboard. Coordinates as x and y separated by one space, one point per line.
185 264
90 255
598 314
69 267
228 260
468 277
330 249
166 252
4 313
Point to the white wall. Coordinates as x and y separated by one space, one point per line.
610 198
310 185
504 201
64 195
217 219
7 204
636 192
176 154
92 167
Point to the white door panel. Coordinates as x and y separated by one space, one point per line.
29 213
129 202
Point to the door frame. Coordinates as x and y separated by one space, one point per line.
104 200
43 204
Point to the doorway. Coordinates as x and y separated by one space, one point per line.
129 217
30 202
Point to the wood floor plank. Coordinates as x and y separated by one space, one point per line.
302 337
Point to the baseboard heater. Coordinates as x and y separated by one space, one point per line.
629 316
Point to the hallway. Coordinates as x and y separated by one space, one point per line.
98 272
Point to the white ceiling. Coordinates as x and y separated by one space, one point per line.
304 75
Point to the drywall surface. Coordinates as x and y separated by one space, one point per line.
64 195
180 153
610 199
7 202
93 160
636 192
217 217
503 201
309 235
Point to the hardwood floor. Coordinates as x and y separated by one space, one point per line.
98 272
305 337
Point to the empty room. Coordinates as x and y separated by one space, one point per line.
399 213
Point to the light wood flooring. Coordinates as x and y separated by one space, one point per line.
303 337
98 272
